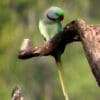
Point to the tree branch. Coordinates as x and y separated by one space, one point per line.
58 42
76 30
90 36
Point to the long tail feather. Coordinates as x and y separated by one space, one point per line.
61 76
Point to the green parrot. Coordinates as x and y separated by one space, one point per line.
50 22
49 25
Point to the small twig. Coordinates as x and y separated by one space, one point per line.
25 45
16 93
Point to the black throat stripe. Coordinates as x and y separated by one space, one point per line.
51 18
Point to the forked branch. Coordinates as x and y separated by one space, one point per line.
77 30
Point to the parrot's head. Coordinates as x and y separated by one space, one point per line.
55 14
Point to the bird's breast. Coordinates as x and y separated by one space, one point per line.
51 29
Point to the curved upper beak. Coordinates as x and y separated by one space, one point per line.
61 17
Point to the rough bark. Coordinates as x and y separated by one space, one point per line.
76 30
90 37
58 42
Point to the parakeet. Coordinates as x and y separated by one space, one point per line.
50 22
49 25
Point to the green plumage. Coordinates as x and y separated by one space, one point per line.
50 23
48 30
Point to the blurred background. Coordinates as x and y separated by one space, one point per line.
38 77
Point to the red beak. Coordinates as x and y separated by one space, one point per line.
61 18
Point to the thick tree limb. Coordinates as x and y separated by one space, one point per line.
58 42
90 35
76 30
